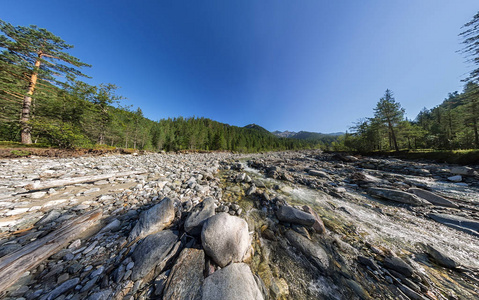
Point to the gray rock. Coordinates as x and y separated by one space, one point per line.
195 220
225 238
160 282
433 198
251 190
398 196
186 278
153 249
292 215
51 216
398 265
311 250
101 295
113 226
318 173
462 170
439 257
233 282
456 178
153 220
62 288
457 222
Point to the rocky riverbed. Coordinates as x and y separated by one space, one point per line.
288 225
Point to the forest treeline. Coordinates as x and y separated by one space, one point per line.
43 101
86 116
454 124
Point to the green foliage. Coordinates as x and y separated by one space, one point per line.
454 124
32 62
471 48
63 135
20 153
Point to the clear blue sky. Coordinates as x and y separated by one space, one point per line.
285 65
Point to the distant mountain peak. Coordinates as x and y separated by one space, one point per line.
285 134
303 135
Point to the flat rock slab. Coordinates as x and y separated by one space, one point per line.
440 257
312 251
233 282
398 265
151 251
153 220
457 221
196 219
225 238
433 198
398 196
186 278
290 214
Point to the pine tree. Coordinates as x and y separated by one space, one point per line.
390 113
31 55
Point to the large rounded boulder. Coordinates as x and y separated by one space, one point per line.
225 238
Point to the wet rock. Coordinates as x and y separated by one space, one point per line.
318 225
279 289
398 196
457 222
358 289
225 238
368 262
232 282
440 257
153 249
195 220
153 220
398 265
292 215
311 250
433 198
186 278
411 293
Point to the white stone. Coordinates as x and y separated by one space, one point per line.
457 178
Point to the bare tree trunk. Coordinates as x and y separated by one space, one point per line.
27 104
476 134
393 137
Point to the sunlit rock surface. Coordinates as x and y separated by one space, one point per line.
368 247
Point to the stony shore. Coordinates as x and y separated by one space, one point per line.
288 225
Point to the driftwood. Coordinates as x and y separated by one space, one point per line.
39 185
14 265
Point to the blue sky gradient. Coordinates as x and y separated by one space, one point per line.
285 65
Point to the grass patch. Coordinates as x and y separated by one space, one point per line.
20 153
9 144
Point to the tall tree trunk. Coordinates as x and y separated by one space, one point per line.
393 136
476 134
27 104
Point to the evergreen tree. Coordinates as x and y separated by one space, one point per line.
390 113
30 55
471 49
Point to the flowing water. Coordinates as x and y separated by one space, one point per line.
360 221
